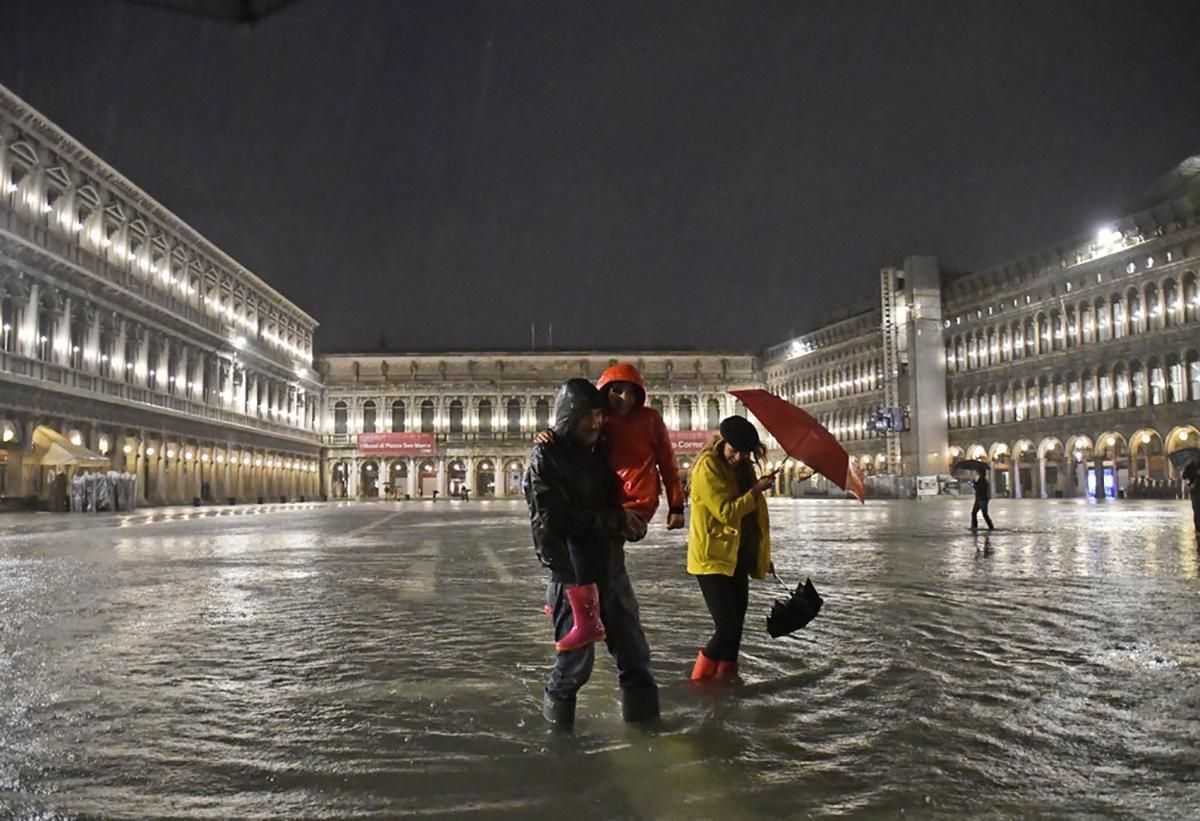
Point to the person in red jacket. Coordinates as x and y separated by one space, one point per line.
635 444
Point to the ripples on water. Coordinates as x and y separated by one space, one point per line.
378 660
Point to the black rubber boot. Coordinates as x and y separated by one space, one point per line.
559 712
639 704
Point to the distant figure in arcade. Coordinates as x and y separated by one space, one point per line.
1191 476
579 528
983 495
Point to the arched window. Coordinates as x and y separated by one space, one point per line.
1120 387
1176 379
541 413
1137 375
514 415
398 416
1136 316
1158 382
685 414
714 414
1154 317
1191 300
368 424
485 416
657 404
339 417
1118 318
1174 308
456 416
427 416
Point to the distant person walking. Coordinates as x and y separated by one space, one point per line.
983 495
1191 477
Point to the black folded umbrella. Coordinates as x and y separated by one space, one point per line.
790 614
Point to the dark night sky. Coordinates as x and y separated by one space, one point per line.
694 173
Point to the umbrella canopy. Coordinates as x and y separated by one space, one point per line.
973 465
790 614
1184 456
803 437
53 449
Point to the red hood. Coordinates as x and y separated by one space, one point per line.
623 372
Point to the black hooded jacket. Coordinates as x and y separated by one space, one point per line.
571 492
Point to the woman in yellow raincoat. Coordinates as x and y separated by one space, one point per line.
729 539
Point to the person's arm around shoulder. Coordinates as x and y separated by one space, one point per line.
557 514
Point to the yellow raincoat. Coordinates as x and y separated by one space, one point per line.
717 511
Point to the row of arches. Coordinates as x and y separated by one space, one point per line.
1107 464
1171 378
514 415
93 215
42 322
1154 306
452 477
840 381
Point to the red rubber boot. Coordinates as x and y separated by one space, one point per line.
726 671
705 668
585 606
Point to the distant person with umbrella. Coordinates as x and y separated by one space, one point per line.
729 539
983 495
1191 476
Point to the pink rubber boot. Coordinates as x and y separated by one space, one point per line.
585 606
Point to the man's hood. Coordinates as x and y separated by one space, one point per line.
576 398
624 372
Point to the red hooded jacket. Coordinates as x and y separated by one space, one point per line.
638 448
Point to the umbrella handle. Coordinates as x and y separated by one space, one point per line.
782 583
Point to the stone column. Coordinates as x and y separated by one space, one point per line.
1041 477
27 328
1098 466
1015 472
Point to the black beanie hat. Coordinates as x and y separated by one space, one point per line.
738 432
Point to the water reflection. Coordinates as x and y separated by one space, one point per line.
381 660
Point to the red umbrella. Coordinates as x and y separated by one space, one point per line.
803 438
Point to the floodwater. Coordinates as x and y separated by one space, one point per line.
387 659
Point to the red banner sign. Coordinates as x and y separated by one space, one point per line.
690 441
397 444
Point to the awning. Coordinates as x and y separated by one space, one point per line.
52 449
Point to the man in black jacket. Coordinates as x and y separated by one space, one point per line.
572 498
983 495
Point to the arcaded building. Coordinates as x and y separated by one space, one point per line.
1079 367
128 337
127 334
414 423
1068 370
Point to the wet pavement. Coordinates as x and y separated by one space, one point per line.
386 659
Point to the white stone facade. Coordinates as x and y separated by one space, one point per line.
124 329
483 409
